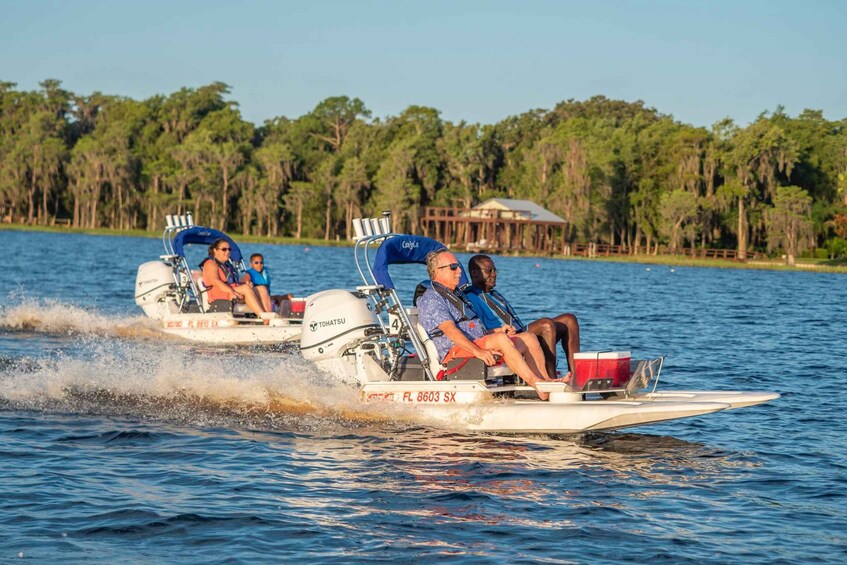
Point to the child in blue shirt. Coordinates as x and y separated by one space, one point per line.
261 279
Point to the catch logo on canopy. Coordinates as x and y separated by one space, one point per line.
409 245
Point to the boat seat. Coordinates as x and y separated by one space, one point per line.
413 317
466 369
203 297
435 365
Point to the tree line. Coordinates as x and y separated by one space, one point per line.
619 172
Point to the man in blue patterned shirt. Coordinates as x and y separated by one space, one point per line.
458 332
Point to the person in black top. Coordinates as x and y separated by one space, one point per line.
563 328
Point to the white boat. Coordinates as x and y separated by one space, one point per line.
368 338
171 292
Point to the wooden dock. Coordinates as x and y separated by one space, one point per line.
513 231
492 230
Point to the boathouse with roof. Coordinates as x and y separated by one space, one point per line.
498 225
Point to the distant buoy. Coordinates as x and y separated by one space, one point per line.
306 249
648 268
538 265
673 270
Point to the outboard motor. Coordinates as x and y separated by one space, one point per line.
335 323
154 284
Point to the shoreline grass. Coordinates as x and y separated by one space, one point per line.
806 264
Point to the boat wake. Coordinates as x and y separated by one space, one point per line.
123 366
47 316
199 387
156 382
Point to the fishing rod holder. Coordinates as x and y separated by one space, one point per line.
369 227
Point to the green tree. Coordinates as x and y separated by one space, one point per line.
572 197
189 170
298 199
678 211
42 153
515 136
395 190
249 184
277 161
466 160
788 222
352 181
182 111
87 175
326 179
226 144
335 116
757 154
420 129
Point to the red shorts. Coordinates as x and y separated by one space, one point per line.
457 351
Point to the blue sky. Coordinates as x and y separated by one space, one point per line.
472 60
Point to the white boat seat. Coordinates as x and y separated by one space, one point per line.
435 365
413 317
435 361
203 298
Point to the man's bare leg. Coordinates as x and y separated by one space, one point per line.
547 332
513 358
567 331
533 355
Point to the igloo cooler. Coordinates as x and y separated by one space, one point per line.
601 370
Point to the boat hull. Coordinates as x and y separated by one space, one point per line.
735 398
472 406
530 416
226 329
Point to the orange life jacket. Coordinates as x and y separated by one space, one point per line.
213 292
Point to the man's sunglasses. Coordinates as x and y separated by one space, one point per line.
223 249
451 266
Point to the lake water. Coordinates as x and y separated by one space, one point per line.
120 446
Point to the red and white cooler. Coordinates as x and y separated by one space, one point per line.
598 370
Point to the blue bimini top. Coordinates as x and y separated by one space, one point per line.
403 249
204 236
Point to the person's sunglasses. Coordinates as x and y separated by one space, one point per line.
223 249
451 266
490 271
